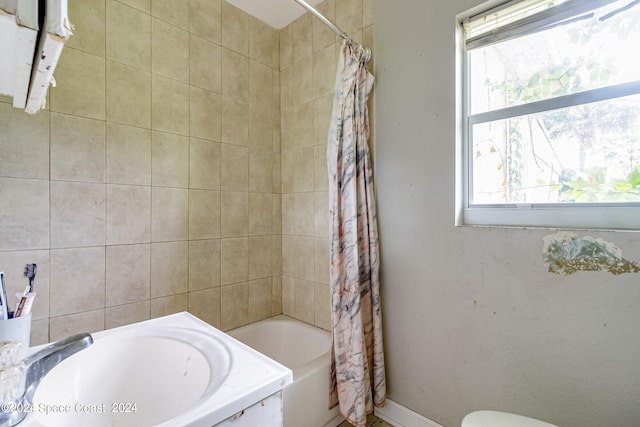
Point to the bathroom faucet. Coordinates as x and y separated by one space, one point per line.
37 365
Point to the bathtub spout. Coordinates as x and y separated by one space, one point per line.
37 365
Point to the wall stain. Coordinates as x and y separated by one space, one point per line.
566 253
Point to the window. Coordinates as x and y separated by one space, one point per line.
552 114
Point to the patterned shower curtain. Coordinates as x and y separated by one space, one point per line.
357 359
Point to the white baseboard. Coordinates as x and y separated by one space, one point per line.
399 416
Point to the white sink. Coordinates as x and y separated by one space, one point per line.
170 371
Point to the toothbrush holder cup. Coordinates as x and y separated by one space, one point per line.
17 329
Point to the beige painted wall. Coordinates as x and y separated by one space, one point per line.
472 319
151 183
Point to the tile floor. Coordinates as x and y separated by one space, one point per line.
372 421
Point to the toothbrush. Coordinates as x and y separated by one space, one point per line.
4 310
30 273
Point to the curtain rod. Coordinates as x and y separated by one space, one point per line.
333 26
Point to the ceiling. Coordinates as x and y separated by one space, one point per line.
276 13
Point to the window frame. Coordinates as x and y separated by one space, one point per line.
607 216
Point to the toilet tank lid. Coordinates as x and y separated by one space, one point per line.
500 419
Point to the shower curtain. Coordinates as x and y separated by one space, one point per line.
357 359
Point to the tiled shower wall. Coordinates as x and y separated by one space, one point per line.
150 184
308 59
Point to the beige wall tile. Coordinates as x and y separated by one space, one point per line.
77 148
289 213
260 257
298 127
13 263
176 12
169 160
204 214
304 214
235 76
288 171
128 95
321 120
302 34
234 264
128 274
128 214
321 213
324 36
205 305
24 201
304 258
349 15
128 35
288 255
367 41
261 124
65 326
277 132
169 268
304 300
261 171
142 5
322 266
322 309
302 81
288 305
80 85
260 294
235 168
39 332
320 172
275 53
286 87
235 29
169 51
169 214
367 14
260 84
77 214
126 314
276 295
261 42
89 20
235 121
77 280
169 305
235 306
235 214
286 47
260 214
24 143
277 173
169 105
204 161
205 64
276 214
128 155
205 19
325 63
304 170
204 114
204 264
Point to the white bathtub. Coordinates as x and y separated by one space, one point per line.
305 350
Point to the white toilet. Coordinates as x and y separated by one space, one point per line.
500 419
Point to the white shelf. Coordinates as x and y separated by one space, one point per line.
26 70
